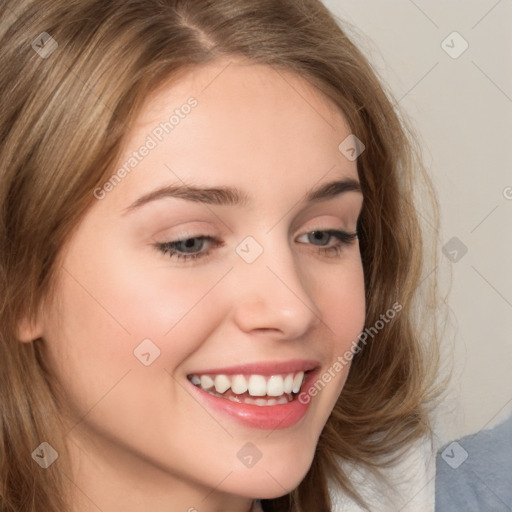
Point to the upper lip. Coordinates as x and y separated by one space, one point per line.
264 368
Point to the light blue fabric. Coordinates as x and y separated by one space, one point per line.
474 474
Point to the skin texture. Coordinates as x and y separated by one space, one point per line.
139 440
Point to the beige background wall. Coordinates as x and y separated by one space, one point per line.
460 102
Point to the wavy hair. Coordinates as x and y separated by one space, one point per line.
63 122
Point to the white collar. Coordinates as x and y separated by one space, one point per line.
256 506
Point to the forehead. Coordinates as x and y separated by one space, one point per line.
229 90
233 123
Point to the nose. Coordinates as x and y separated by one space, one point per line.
272 295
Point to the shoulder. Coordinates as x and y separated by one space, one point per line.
409 485
475 472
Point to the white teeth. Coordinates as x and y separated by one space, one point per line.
222 383
257 385
297 382
206 382
288 383
239 384
279 386
275 386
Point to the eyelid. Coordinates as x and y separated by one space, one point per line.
344 239
164 235
321 226
186 235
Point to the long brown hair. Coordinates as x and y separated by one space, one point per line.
64 117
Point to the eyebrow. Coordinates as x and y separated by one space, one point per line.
235 197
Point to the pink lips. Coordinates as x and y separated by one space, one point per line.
265 368
271 417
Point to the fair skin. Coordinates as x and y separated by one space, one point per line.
139 436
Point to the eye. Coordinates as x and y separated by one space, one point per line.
343 239
188 249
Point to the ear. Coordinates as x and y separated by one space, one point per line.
28 330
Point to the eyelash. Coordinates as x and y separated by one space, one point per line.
344 239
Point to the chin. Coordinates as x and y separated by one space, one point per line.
274 478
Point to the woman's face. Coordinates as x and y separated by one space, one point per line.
135 328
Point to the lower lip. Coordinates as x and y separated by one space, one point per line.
269 417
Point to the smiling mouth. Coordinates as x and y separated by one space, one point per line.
262 390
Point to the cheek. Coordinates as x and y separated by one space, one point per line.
340 297
87 341
101 325
341 300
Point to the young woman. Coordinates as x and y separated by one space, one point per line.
209 260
